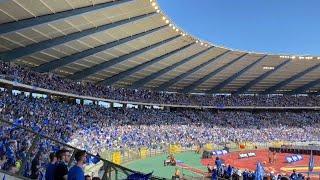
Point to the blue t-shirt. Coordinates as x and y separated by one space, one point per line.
214 175
50 171
76 173
11 156
218 163
294 176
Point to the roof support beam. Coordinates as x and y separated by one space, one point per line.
169 83
27 23
246 87
52 65
304 88
217 88
195 84
157 74
99 67
111 80
23 51
274 88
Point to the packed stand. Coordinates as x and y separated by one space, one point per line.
54 82
94 128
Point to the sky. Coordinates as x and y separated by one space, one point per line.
272 26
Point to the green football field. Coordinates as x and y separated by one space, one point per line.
155 164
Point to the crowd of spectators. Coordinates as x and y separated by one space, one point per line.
54 82
230 172
94 128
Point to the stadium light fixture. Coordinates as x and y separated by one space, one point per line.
268 67
153 4
167 21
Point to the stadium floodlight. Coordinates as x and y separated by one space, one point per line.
164 18
158 11
156 7
177 30
153 4
167 21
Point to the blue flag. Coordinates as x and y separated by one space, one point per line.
311 163
4 177
259 172
18 122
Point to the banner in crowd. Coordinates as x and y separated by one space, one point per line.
143 153
219 152
247 155
116 157
294 158
174 148
208 147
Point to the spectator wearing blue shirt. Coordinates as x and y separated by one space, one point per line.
76 172
294 175
49 175
245 174
218 163
10 153
214 175
229 171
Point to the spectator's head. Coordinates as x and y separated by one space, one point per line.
95 178
53 158
12 169
87 177
63 155
80 157
13 144
3 159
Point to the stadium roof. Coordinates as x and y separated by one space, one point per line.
133 44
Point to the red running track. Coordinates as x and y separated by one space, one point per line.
280 166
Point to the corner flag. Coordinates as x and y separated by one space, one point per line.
311 163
